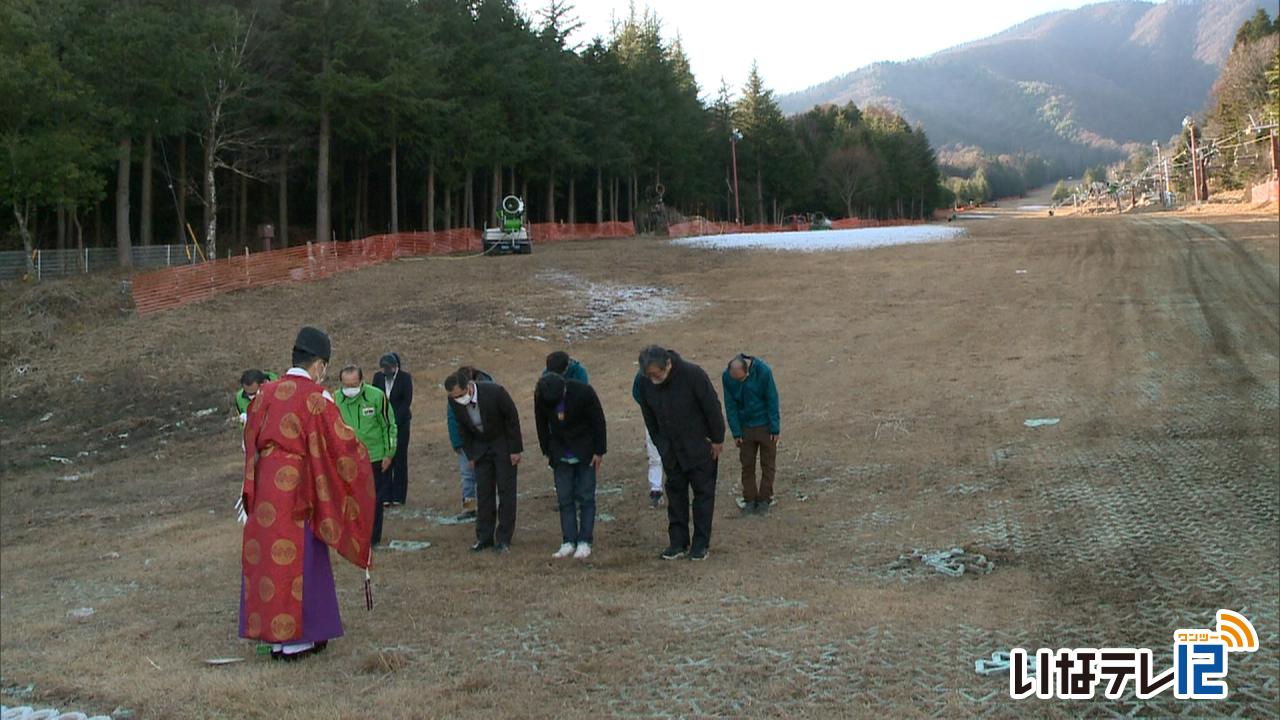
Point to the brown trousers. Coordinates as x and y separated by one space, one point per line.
753 440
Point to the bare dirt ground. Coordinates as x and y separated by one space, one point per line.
905 373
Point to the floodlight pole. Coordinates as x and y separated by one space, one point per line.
734 137
1164 172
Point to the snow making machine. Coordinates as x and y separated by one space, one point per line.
512 233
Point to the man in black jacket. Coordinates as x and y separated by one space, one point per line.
571 433
490 429
682 413
398 385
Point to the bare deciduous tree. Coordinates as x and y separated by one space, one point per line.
851 172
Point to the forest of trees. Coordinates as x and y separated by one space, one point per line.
130 120
1247 92
973 177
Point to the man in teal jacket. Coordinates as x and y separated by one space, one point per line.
366 411
751 407
561 364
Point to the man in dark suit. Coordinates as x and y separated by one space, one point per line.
490 428
571 433
682 413
398 386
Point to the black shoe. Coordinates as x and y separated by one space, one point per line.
673 553
749 508
655 497
698 554
501 548
481 546
762 507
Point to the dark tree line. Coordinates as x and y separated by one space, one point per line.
156 121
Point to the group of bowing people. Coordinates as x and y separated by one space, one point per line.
318 470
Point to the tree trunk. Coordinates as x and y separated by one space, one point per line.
395 187
469 200
343 207
23 216
551 194
431 193
75 220
524 195
62 236
282 222
243 214
144 223
496 192
210 201
512 180
363 195
233 208
123 242
613 199
599 196
759 195
633 197
448 208
182 189
97 224
323 231
573 211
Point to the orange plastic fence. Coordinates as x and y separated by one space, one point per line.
551 232
176 286
172 287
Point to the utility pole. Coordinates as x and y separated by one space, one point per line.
1275 155
734 137
1190 125
1164 172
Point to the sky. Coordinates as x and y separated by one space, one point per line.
799 43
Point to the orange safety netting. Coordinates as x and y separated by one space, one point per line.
176 286
172 287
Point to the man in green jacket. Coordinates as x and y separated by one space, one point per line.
751 407
250 382
366 411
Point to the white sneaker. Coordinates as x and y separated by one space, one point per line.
584 551
565 551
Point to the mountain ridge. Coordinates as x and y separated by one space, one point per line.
1072 85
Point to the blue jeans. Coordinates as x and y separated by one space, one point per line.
468 476
576 492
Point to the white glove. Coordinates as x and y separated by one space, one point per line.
244 418
241 515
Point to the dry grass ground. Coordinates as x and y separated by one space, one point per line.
905 375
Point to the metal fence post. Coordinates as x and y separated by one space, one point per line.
39 265
168 255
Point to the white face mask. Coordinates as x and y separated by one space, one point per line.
351 392
464 400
